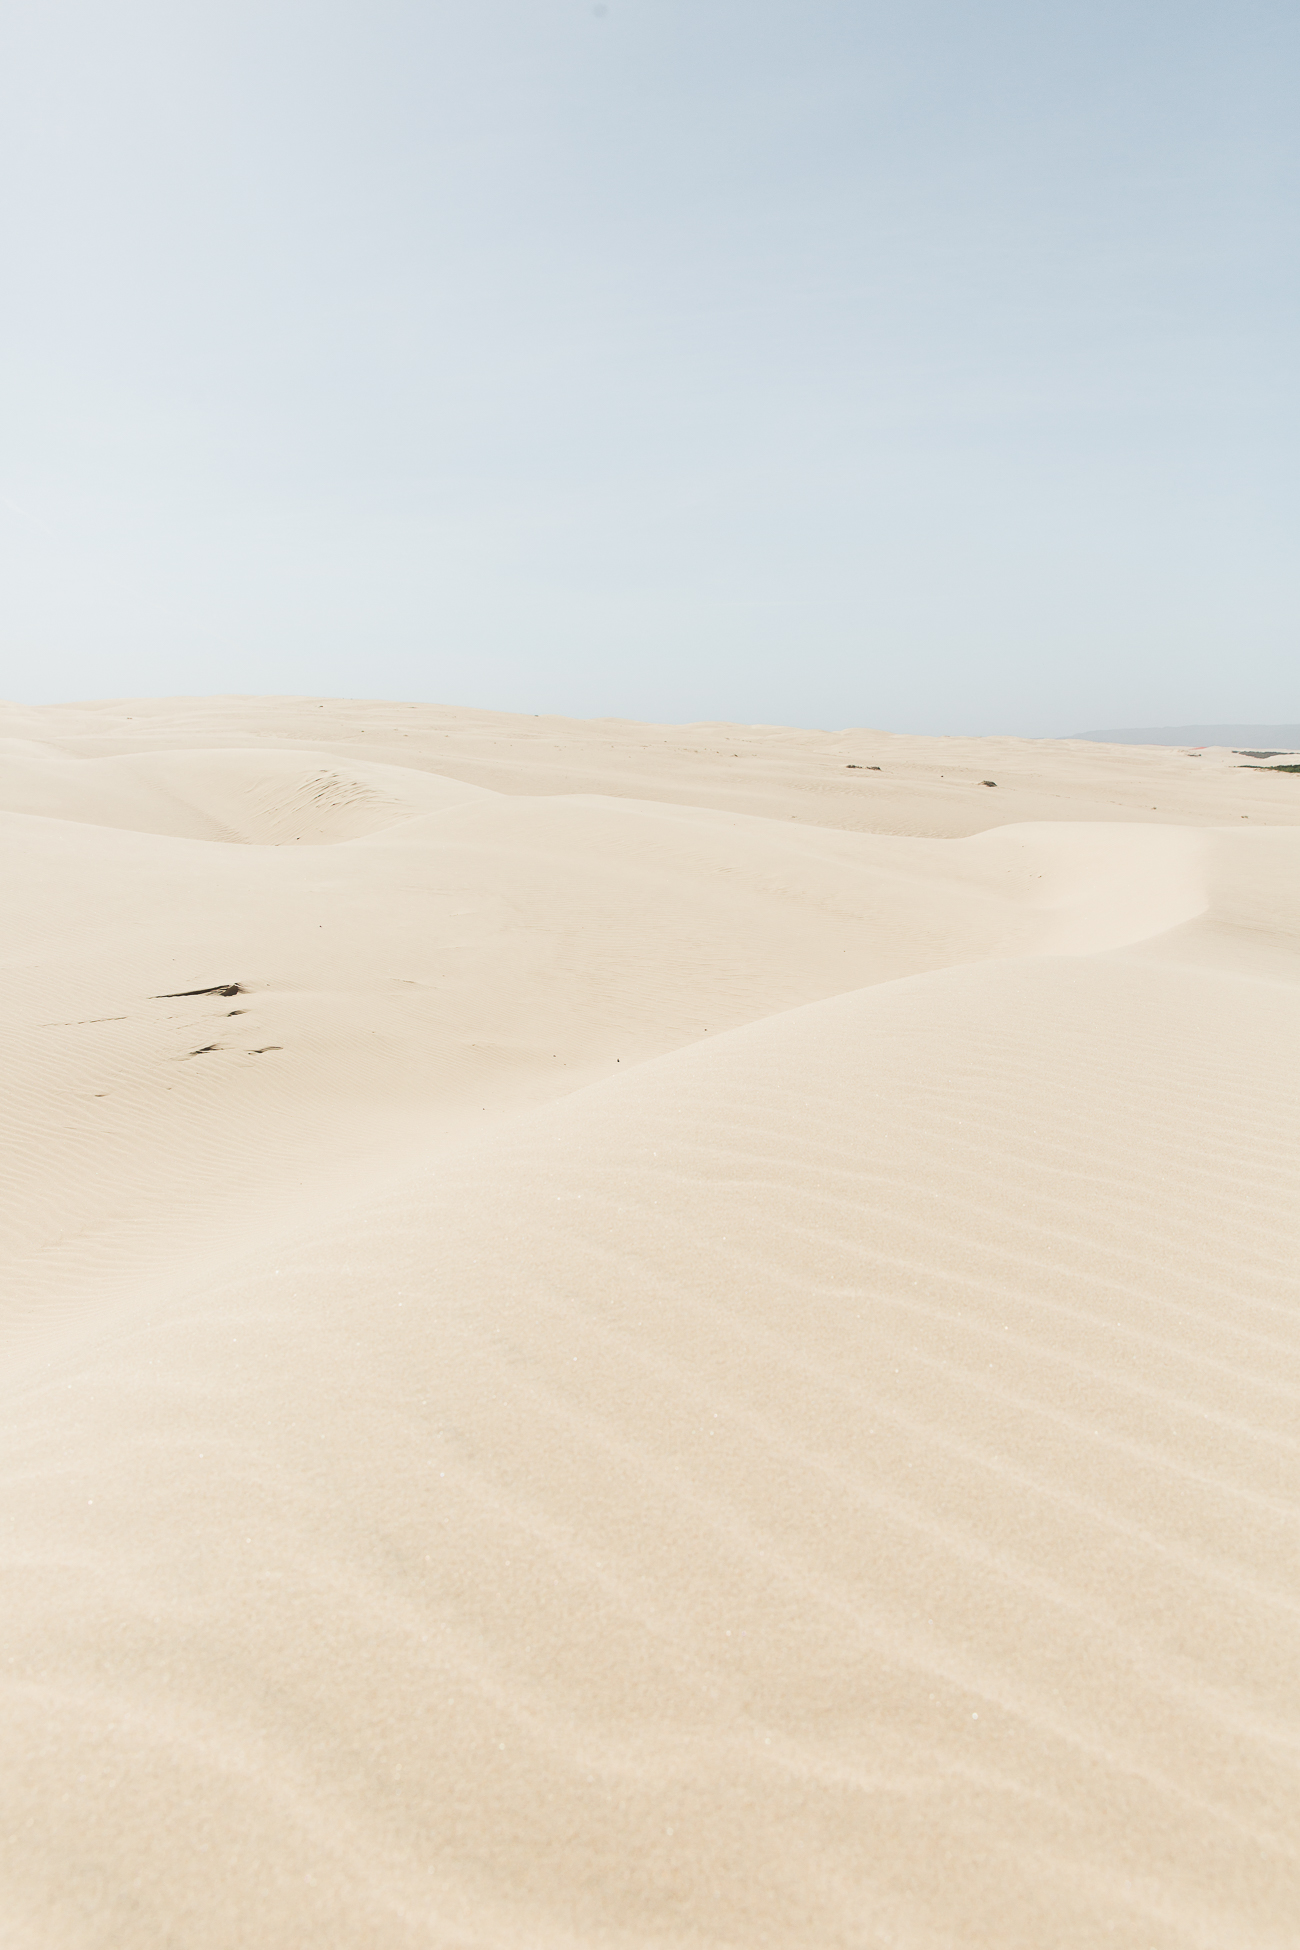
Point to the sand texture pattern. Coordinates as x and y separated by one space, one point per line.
644 1337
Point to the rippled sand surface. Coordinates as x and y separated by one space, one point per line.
644 1336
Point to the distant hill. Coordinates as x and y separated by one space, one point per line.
1276 737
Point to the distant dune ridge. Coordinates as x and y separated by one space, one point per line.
646 1336
1285 736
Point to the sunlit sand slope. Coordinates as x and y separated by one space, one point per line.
634 1371
834 1486
204 1041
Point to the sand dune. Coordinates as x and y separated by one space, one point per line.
260 798
663 1370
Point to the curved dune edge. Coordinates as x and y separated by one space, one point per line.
728 1380
389 995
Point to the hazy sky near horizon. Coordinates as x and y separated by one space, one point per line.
929 366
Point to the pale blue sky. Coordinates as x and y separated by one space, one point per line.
929 366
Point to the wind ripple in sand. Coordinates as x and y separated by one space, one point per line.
832 1484
688 1518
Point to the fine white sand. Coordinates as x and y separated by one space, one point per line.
704 1350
